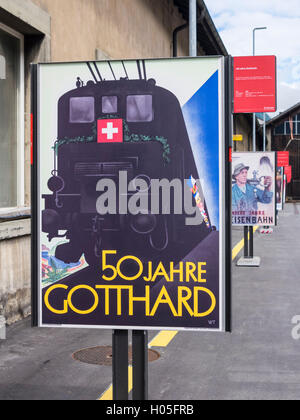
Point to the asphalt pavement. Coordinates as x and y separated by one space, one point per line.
259 360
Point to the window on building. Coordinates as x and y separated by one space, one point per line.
297 124
287 127
11 118
284 129
139 108
82 110
279 130
294 126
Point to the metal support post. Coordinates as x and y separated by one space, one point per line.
248 260
193 28
120 365
250 241
254 133
140 365
265 142
254 116
246 247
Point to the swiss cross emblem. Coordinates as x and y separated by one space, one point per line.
110 131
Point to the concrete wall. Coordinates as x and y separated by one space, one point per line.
15 278
15 244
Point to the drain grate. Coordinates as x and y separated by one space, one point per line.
102 355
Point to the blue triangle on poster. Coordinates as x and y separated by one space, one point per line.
201 114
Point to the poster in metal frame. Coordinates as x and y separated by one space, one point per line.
89 261
255 84
253 189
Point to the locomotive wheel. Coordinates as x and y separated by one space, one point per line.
68 253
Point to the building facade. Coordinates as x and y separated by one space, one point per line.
283 132
36 31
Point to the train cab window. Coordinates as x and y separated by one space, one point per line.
82 110
109 104
139 108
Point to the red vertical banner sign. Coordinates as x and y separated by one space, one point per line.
288 173
283 158
255 84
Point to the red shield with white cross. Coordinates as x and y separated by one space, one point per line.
110 131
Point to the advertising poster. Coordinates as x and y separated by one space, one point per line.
253 189
130 171
279 187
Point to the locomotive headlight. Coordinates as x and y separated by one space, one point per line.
56 183
143 223
50 221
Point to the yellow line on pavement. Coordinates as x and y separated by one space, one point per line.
108 394
237 249
240 245
163 338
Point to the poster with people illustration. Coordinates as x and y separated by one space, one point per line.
253 189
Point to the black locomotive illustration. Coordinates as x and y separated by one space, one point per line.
154 144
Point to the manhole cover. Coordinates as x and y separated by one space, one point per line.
102 355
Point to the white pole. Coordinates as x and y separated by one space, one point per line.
193 28
254 115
